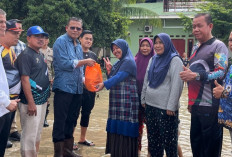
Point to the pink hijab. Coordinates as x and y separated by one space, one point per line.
141 63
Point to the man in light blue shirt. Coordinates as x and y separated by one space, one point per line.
68 85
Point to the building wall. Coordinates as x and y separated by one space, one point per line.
172 28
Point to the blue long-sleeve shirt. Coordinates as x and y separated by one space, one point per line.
120 76
66 56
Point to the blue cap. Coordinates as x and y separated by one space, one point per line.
36 30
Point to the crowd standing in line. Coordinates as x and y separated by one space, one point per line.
133 83
208 62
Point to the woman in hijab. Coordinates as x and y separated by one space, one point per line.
122 123
142 58
161 92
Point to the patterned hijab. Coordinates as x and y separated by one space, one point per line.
126 62
142 62
160 63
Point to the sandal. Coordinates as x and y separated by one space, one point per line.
87 143
75 146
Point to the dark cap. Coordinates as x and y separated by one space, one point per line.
36 30
12 25
17 20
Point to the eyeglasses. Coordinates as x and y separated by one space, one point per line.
39 36
77 28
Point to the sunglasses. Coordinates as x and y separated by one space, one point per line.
77 28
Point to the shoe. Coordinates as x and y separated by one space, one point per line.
68 148
45 123
15 136
45 120
87 143
75 146
9 144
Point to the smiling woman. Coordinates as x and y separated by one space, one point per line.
122 122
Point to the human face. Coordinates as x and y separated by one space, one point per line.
159 46
36 41
230 42
86 41
2 25
11 38
117 51
202 30
145 48
19 25
74 29
46 41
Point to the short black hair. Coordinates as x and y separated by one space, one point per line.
75 19
208 18
85 32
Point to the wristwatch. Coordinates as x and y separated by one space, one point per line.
198 77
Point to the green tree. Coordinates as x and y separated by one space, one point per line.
221 15
101 17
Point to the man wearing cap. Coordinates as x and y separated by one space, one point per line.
35 93
68 86
14 134
20 45
6 105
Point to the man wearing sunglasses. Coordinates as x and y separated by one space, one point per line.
35 93
68 65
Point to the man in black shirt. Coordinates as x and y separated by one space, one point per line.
35 84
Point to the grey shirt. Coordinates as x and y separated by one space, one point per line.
167 95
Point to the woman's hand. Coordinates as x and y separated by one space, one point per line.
99 87
170 113
108 64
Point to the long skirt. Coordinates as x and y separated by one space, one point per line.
121 146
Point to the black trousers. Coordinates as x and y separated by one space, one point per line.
162 131
66 109
205 133
4 132
88 101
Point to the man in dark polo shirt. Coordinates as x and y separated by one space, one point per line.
35 85
208 63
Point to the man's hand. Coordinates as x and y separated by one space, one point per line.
31 109
187 75
90 62
13 105
108 64
217 91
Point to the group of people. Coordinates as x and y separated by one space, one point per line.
143 89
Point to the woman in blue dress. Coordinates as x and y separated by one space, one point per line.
122 122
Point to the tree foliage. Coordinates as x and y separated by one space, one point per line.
102 17
221 15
